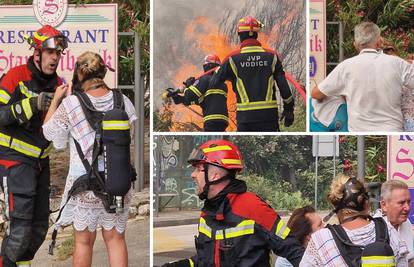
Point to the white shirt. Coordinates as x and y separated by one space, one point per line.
371 83
324 111
405 232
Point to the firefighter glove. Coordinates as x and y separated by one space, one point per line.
289 117
172 92
190 81
180 263
42 101
178 99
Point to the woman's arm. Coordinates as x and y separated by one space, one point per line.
60 93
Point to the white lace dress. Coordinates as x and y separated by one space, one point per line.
67 123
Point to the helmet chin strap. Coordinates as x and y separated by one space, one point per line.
203 195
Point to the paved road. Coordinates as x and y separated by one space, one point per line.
137 237
173 243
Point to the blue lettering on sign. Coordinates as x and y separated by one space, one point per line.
405 138
78 36
312 66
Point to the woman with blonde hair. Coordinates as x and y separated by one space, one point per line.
351 205
66 122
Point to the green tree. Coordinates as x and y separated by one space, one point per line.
394 17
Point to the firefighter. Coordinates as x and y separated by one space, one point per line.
236 227
25 95
213 101
253 71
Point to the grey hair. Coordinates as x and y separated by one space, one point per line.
389 186
366 34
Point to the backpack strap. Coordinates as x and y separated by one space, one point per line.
118 99
92 115
381 230
350 252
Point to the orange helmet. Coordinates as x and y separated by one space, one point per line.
212 58
221 153
48 37
249 24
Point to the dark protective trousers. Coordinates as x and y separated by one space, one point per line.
215 126
261 126
26 188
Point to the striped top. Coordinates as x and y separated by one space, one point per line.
322 250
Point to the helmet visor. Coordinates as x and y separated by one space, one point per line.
196 157
58 43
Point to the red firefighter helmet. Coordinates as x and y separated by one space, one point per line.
249 24
221 153
48 37
211 59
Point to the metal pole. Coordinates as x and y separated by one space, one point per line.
334 156
139 107
341 42
157 171
316 172
361 157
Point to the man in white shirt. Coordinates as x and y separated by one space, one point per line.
371 83
395 207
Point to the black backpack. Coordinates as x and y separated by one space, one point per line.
112 142
378 253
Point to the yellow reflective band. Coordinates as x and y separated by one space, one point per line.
288 100
270 85
252 49
25 148
216 148
215 91
282 230
12 110
4 140
248 28
115 125
216 117
256 105
23 263
25 91
191 262
27 108
246 227
46 151
4 97
239 83
231 161
377 261
40 37
204 228
195 90
271 82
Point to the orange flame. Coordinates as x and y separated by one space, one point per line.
203 37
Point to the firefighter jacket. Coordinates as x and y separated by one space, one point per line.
213 101
237 228
21 135
253 71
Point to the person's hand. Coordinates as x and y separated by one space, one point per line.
180 263
60 92
289 117
42 101
190 81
